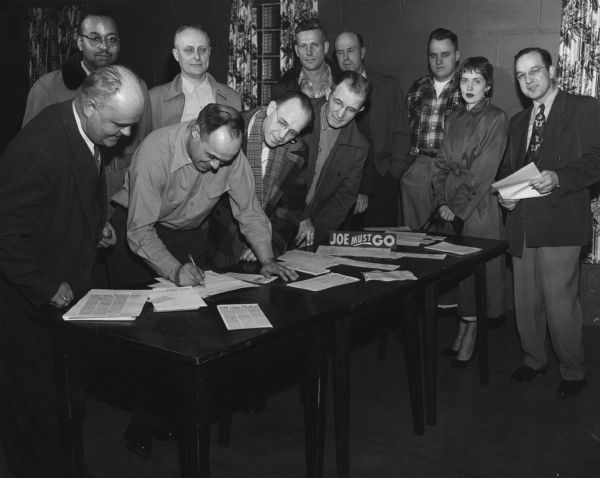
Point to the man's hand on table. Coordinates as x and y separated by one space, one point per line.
270 268
63 297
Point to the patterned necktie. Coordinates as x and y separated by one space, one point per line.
97 157
537 137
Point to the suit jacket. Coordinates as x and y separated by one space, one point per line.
284 207
571 147
384 122
340 177
168 100
62 85
52 211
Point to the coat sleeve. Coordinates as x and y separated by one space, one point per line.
29 178
400 133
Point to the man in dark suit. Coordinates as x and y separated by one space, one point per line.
384 122
559 133
337 154
53 216
278 161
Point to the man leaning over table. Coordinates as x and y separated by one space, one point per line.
176 178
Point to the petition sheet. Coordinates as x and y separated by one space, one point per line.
243 316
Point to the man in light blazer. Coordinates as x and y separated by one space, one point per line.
193 88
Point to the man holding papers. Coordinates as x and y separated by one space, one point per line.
176 178
559 133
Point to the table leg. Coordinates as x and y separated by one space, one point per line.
315 403
341 391
70 425
482 322
412 354
195 442
430 352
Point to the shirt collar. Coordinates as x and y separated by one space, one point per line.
188 86
547 104
181 156
88 141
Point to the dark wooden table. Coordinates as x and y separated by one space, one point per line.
413 300
207 367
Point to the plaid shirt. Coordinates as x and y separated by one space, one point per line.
427 114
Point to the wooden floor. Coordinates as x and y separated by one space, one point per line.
501 430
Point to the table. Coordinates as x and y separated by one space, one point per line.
193 351
414 299
195 354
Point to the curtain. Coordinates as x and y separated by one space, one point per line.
292 13
52 38
242 74
579 52
578 71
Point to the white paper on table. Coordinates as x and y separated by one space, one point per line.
516 186
389 276
243 316
367 265
108 305
308 262
217 283
373 252
163 283
176 298
323 282
253 278
453 248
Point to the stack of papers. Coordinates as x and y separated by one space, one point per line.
243 316
453 248
516 186
323 282
176 299
108 305
252 278
389 276
213 284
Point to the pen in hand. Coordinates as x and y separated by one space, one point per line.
201 282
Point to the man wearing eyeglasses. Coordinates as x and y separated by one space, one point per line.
177 176
99 45
278 162
337 155
193 88
559 134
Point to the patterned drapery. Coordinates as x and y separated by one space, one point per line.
579 53
578 71
243 47
292 13
52 38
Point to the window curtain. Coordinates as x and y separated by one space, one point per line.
242 74
52 38
292 13
578 71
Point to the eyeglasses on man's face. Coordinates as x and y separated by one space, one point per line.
532 73
111 41
282 124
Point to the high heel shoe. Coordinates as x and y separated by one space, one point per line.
460 335
466 353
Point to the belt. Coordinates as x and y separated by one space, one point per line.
431 154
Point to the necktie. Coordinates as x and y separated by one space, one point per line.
537 137
97 156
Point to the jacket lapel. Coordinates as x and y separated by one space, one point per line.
85 173
552 129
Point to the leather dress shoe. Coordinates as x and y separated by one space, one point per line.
526 374
570 388
138 441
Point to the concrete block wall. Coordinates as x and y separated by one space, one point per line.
396 33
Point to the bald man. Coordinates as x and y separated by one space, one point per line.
193 88
53 215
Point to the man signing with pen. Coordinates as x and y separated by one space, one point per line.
176 178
